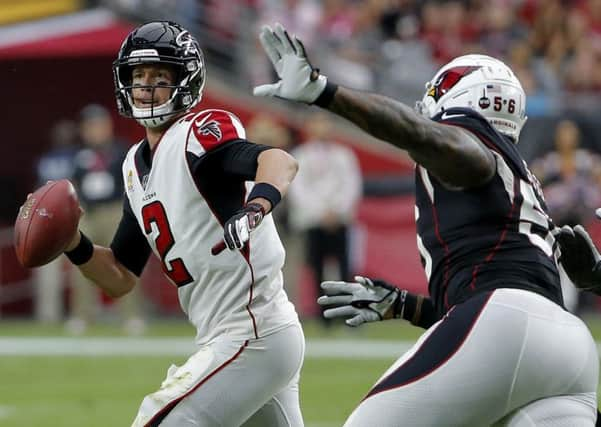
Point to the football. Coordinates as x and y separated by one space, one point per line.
46 223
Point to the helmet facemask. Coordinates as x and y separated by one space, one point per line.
185 60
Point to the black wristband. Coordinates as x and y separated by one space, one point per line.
266 191
327 95
82 252
420 311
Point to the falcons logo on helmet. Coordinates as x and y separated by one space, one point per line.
210 127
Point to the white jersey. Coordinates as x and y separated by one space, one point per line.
238 293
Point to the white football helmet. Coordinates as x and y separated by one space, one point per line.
483 84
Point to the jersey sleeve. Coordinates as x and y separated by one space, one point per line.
129 245
211 129
236 158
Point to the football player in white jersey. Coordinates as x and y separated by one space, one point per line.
499 348
194 186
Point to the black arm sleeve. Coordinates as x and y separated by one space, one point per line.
237 157
420 311
129 244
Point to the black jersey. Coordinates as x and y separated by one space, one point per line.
494 236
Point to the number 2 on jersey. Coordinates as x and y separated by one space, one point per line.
175 269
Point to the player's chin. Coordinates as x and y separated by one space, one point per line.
143 105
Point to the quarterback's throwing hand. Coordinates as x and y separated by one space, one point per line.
237 229
299 81
362 301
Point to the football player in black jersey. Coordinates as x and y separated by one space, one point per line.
499 348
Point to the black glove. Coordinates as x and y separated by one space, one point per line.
580 258
237 229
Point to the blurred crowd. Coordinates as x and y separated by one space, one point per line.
388 46
391 45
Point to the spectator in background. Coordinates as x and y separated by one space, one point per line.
447 29
262 129
301 16
499 28
352 39
323 198
569 177
97 176
55 164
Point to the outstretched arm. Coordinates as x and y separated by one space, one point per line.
450 153
453 155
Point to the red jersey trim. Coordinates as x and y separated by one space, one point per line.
212 128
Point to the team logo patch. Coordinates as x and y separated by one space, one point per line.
484 103
211 128
207 127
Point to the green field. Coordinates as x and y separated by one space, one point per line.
70 391
100 392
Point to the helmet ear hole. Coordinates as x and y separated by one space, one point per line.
125 75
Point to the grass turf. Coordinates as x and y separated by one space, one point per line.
106 391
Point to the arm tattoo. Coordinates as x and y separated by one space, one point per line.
448 152
380 116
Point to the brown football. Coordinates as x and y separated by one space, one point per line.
46 223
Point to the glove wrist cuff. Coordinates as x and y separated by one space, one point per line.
254 207
399 304
326 96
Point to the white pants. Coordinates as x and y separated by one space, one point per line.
510 358
230 383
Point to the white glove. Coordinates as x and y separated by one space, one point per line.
299 81
362 301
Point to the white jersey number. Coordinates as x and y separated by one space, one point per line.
533 213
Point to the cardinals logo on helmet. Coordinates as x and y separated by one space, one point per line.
449 79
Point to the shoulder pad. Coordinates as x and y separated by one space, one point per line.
479 126
212 128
